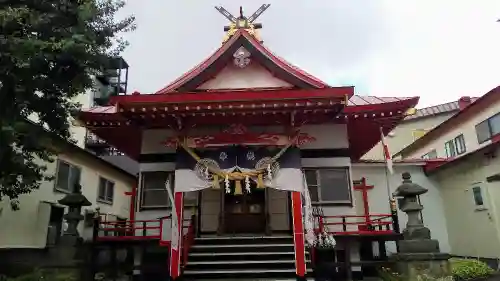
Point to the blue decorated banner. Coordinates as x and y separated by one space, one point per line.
284 173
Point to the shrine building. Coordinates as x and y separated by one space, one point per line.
241 140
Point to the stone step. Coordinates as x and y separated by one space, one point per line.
241 274
242 258
232 240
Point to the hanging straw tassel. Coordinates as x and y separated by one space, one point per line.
260 181
215 182
237 188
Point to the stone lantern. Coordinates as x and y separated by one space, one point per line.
418 253
69 251
75 201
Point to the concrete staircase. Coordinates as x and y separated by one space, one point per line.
242 258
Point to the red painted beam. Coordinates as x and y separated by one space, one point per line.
228 96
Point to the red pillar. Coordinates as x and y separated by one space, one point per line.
175 254
298 236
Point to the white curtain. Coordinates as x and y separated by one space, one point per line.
308 214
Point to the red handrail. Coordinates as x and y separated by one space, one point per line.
133 230
188 239
128 230
364 226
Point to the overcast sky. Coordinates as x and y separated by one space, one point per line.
436 49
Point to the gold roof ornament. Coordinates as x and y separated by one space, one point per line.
242 22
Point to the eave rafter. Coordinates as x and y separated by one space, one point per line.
157 118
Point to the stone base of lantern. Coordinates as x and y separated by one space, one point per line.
419 246
67 249
411 265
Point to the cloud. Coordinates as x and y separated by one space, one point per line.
439 50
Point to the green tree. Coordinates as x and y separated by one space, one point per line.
49 52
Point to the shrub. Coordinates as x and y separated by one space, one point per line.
388 275
465 269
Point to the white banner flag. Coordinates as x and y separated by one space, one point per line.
175 221
387 154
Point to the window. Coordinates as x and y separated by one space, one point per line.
449 146
106 190
329 185
478 196
488 128
460 144
455 146
67 176
430 155
418 133
154 192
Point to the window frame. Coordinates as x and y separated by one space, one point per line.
490 130
474 197
170 177
456 140
452 147
72 167
107 183
317 170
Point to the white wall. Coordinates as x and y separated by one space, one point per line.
473 230
402 135
252 76
27 228
466 127
433 213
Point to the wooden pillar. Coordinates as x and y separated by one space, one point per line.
298 236
175 254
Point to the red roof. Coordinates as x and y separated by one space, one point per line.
215 63
449 107
310 101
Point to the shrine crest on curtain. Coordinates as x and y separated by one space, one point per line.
283 173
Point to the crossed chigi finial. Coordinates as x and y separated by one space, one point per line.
242 21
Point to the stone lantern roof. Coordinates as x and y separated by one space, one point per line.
408 188
75 199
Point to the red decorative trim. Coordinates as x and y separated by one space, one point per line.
239 134
293 70
175 254
233 96
298 234
199 69
364 192
361 120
